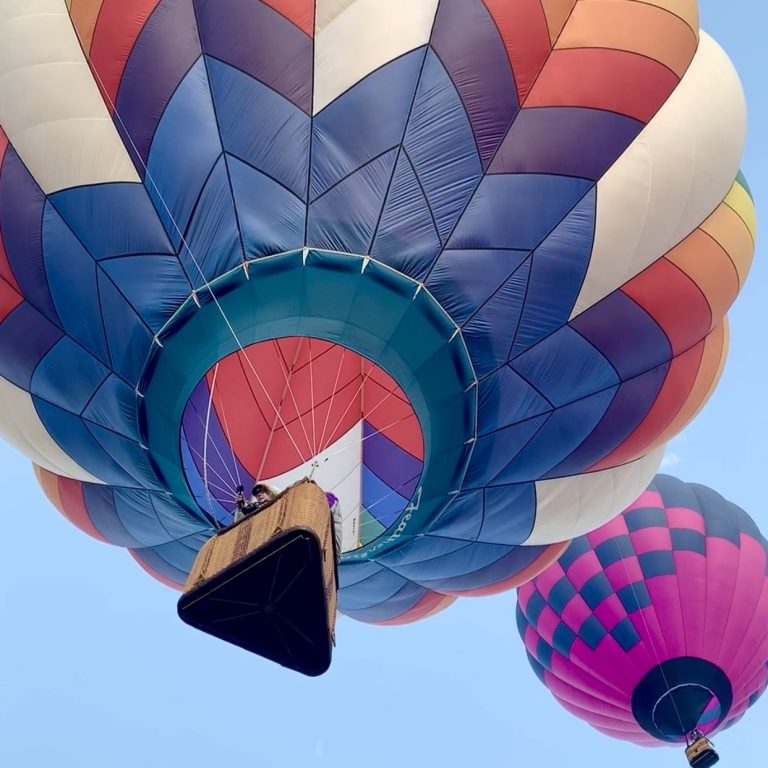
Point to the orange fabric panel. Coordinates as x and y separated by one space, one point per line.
710 370
523 28
84 14
74 509
680 380
154 574
117 29
300 12
50 485
708 265
557 13
429 605
625 25
674 301
687 10
728 228
616 81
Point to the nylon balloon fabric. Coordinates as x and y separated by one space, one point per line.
656 624
467 262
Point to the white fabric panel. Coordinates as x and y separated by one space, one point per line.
672 176
355 38
21 427
572 506
338 472
50 106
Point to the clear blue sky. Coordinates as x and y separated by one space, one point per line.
96 670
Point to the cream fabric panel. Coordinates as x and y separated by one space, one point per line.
672 176
353 38
50 106
21 427
572 506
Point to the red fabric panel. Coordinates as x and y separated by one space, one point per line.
671 398
523 27
430 604
154 574
387 409
300 12
674 301
10 293
118 26
74 509
617 81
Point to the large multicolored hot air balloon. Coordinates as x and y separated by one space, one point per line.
467 261
656 624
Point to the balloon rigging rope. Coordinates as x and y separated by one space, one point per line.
205 443
650 637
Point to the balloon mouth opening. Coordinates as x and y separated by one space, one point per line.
282 409
680 696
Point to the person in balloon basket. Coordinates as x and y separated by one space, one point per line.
261 495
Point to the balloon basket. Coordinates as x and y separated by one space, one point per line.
701 753
268 583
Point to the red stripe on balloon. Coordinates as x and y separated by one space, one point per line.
73 507
429 605
156 574
10 294
300 12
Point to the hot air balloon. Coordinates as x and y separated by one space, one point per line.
464 263
654 627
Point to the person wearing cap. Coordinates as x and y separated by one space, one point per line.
261 495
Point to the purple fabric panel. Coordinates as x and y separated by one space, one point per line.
629 407
19 360
396 467
472 51
21 221
166 49
256 39
572 141
626 335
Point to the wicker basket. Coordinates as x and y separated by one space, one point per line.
268 583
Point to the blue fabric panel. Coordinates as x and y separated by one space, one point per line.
597 589
675 493
688 541
260 41
377 586
562 639
391 463
213 243
557 272
517 211
402 601
113 219
645 517
509 513
181 158
544 654
100 503
21 215
521 621
177 521
625 635
161 566
355 572
506 398
489 333
206 502
18 361
562 432
613 550
127 454
462 281
71 273
406 238
154 285
469 44
462 518
592 632
537 668
661 563
114 406
261 127
441 146
720 520
364 122
271 218
560 595
536 604
576 549
134 508
494 452
344 218
380 500
634 597
68 376
181 554
129 339
565 367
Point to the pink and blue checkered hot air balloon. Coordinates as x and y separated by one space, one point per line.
470 259
656 624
